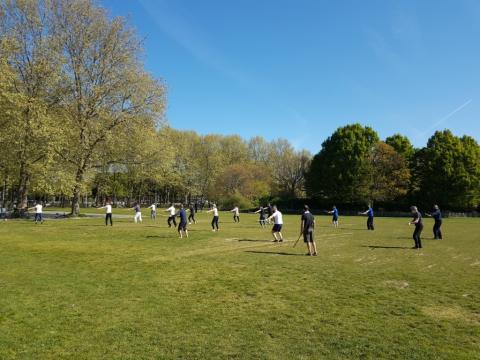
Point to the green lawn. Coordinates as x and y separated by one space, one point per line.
75 289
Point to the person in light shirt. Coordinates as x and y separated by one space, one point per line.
38 212
171 218
277 224
215 217
108 213
236 214
153 211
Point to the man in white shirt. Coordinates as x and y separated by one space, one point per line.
171 218
236 214
38 212
108 213
153 211
277 224
215 217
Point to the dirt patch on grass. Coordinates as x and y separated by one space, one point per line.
451 313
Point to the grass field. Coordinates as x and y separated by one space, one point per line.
75 289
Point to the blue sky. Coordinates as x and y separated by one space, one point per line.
300 69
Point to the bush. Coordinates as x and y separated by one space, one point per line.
228 202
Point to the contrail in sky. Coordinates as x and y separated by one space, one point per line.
448 116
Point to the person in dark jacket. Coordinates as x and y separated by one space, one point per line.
417 221
437 216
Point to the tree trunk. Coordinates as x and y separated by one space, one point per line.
22 190
75 210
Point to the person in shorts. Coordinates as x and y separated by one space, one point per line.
307 228
277 218
182 226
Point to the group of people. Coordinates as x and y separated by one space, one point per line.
268 214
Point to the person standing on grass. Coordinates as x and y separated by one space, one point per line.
182 226
191 217
138 213
215 217
261 220
307 228
269 211
236 214
108 213
153 211
369 214
277 224
417 221
334 213
437 216
38 212
171 218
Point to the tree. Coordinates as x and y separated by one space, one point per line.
29 48
341 170
390 174
447 171
104 91
402 145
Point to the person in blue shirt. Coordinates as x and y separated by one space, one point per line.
182 226
437 216
334 213
369 214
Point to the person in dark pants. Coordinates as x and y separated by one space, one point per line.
215 217
261 220
369 214
182 226
437 216
108 213
417 221
171 218
307 228
269 211
191 217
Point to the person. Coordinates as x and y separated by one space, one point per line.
307 228
215 217
417 221
437 216
138 213
369 214
261 220
108 213
182 226
153 211
334 213
171 218
38 212
236 214
191 217
269 211
277 224
196 207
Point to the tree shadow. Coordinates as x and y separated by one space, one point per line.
386 247
272 253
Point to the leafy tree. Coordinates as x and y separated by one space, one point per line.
341 170
447 171
390 173
105 90
402 145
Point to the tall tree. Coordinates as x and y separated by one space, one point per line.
447 171
401 144
29 47
341 170
105 88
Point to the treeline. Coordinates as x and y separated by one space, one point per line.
81 121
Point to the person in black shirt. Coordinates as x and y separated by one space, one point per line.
417 221
307 227
191 216
437 216
269 211
261 220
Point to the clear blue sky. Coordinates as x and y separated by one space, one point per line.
299 69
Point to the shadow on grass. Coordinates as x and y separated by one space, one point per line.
272 253
254 240
386 247
158 237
